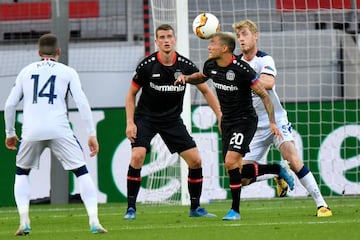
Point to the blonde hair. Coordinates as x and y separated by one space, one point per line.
246 23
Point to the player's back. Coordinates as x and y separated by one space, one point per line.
45 85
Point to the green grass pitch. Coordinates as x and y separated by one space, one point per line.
278 219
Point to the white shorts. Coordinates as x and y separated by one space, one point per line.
263 138
67 150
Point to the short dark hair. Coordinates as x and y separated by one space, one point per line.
48 44
164 27
226 38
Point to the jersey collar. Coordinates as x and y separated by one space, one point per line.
159 59
47 59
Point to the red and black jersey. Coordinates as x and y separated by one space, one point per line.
160 98
233 87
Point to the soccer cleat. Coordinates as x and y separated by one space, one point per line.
323 212
130 214
231 215
281 187
23 230
200 212
285 174
97 229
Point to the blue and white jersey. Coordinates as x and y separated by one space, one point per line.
43 87
263 63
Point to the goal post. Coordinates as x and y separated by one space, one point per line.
183 48
175 13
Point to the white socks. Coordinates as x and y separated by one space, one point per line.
22 197
308 181
88 194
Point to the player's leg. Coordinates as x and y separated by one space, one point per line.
259 146
233 165
146 130
22 199
252 170
178 139
27 157
288 151
88 193
195 181
236 138
134 180
254 161
69 150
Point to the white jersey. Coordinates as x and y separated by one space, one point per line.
263 63
43 87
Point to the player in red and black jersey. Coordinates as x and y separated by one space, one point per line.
158 112
234 81
160 99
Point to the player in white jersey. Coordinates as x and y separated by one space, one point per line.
42 86
247 35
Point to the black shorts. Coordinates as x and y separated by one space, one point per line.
237 135
173 133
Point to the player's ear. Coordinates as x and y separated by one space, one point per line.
40 53
225 48
58 51
256 35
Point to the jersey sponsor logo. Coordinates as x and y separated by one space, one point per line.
213 72
230 75
156 75
167 88
224 87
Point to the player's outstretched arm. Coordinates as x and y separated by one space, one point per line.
194 78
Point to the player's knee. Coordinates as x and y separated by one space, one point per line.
80 171
230 165
22 171
245 181
194 163
137 159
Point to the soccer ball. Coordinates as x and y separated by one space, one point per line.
205 24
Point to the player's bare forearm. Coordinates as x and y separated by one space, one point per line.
131 128
259 89
211 99
271 114
130 104
265 97
194 78
269 108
